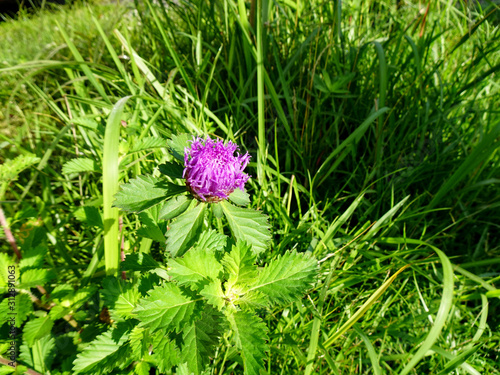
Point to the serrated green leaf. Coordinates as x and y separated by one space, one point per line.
183 369
120 297
144 192
251 301
37 328
33 258
248 225
102 348
198 264
33 277
139 344
185 230
149 143
250 335
139 262
150 228
214 294
211 239
147 282
178 143
24 307
239 265
165 352
40 355
125 303
80 165
200 339
21 306
10 169
165 308
286 278
171 169
142 368
239 197
174 207
6 265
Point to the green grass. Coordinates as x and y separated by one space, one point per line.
374 134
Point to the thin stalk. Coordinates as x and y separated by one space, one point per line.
8 234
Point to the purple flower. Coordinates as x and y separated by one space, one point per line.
212 171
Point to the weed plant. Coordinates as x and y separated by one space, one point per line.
374 133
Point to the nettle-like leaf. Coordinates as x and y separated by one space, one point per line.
239 197
33 258
165 353
185 230
22 306
80 165
286 278
198 264
139 262
142 368
104 349
150 228
120 297
200 339
42 357
174 207
165 308
178 143
211 239
148 281
33 277
36 329
214 294
248 225
250 335
6 265
148 143
144 192
239 265
139 344
252 301
10 169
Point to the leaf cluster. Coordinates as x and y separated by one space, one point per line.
215 289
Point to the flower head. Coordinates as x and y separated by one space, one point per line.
212 171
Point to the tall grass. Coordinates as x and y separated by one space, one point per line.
374 134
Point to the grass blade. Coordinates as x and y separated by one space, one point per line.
83 64
110 184
484 149
363 309
441 316
372 354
